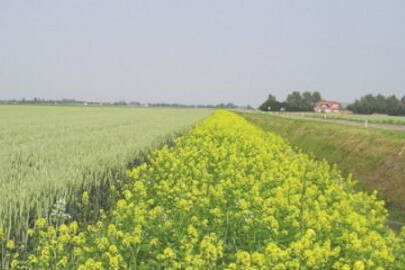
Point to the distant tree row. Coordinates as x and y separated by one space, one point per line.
218 106
295 102
122 103
43 101
64 101
369 104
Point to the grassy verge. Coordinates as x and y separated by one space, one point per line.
375 158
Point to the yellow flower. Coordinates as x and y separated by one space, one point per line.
112 230
359 265
10 244
14 263
74 227
113 249
40 223
45 255
63 229
77 251
192 231
243 258
30 232
121 204
258 259
102 243
63 261
127 194
168 253
154 242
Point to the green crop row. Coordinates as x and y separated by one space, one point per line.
227 196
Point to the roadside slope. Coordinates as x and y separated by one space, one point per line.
376 158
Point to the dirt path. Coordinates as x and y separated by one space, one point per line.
345 122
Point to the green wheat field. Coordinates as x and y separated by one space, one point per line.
51 153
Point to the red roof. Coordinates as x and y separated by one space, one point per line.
328 102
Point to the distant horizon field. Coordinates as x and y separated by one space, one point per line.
54 153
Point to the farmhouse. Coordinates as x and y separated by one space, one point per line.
328 106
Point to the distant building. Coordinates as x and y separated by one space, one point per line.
328 106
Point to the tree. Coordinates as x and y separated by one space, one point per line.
316 97
271 104
394 105
369 104
307 101
381 104
294 101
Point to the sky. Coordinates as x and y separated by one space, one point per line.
200 52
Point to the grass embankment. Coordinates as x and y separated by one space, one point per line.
375 158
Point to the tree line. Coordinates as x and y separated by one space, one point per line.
66 101
228 105
370 104
294 102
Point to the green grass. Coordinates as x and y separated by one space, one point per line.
54 152
375 157
374 118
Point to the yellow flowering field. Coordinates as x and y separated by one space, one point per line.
227 195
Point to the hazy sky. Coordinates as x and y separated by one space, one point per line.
200 51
